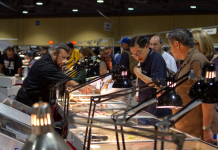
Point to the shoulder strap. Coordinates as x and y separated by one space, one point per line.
126 52
211 57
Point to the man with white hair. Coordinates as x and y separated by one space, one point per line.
101 82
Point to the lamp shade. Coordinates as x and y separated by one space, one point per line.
115 74
122 81
209 74
91 71
171 100
43 134
197 88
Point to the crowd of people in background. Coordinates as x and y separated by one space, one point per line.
154 62
146 60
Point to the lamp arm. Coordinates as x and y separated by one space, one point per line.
177 138
72 66
189 107
91 81
139 86
121 91
138 108
66 79
112 96
165 124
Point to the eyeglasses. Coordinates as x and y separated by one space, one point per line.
138 53
63 59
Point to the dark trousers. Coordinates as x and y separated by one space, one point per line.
23 97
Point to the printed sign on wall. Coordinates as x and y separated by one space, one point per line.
107 26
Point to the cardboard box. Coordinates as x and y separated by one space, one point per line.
7 81
10 91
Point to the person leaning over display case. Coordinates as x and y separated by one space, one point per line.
43 73
11 63
200 121
153 67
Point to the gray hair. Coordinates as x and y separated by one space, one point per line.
56 47
181 35
160 38
102 63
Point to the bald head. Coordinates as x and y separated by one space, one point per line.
103 67
156 44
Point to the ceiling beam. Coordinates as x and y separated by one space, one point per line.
46 3
117 3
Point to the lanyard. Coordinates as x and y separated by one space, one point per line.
101 85
183 64
211 57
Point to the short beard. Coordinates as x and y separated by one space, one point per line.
56 65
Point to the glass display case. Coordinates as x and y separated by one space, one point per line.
15 104
149 145
106 140
15 122
14 128
104 111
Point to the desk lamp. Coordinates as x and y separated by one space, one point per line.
43 136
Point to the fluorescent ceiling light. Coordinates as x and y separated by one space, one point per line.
193 7
39 3
25 12
74 10
130 8
100 1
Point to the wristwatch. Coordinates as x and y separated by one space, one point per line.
206 128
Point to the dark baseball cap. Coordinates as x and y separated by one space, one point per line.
124 40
